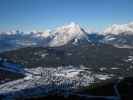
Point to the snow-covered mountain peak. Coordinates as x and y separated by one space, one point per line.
69 28
12 32
64 34
117 29
72 24
43 34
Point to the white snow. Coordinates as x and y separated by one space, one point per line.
114 68
103 68
109 38
28 77
64 78
103 77
44 55
43 34
46 76
64 34
129 59
68 73
117 29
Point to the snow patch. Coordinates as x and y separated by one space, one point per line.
103 77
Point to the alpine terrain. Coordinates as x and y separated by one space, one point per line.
67 62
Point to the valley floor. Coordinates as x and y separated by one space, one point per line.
64 80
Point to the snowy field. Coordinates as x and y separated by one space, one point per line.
45 80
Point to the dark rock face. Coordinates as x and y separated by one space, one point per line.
121 39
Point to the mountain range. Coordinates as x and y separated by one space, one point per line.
68 54
117 35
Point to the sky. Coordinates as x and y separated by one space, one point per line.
29 15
